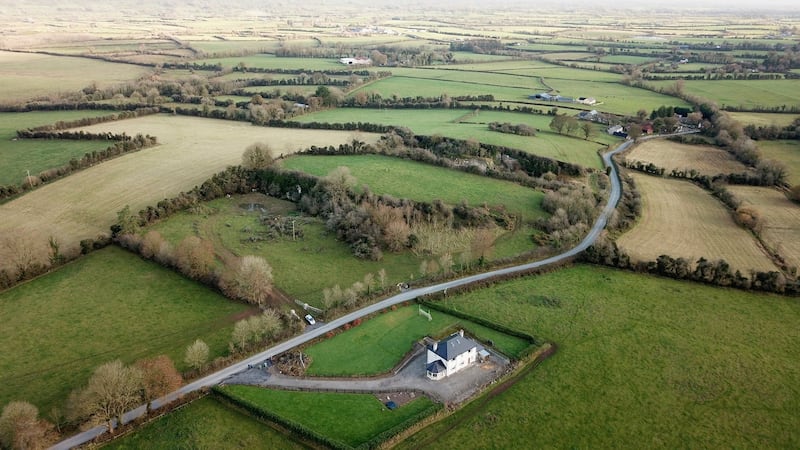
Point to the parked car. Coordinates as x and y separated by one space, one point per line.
310 319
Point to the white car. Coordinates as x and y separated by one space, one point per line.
310 319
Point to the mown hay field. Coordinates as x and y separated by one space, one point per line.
192 149
763 119
642 362
782 219
669 155
680 219
110 304
28 75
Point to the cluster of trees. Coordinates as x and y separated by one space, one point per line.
255 330
125 144
718 273
336 297
563 122
115 389
573 208
519 129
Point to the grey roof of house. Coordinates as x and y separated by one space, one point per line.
436 367
453 346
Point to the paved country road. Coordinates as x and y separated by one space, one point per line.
217 377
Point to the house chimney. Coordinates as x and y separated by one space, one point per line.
435 346
461 333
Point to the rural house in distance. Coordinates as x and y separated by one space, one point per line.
450 355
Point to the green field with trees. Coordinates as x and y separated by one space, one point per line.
642 361
747 95
387 175
17 156
107 305
205 423
229 225
384 339
325 412
469 125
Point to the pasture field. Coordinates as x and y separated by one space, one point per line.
384 339
680 219
744 93
787 152
222 221
107 305
205 423
485 78
192 149
266 61
413 86
325 412
642 362
36 155
384 174
763 119
28 75
782 219
706 160
613 97
463 124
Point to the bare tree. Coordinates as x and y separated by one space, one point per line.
197 354
250 279
446 263
382 278
340 181
587 130
241 334
113 390
194 257
151 244
257 156
159 378
20 427
482 244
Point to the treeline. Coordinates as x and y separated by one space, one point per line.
774 132
766 173
68 106
88 121
374 100
479 46
125 144
717 273
519 129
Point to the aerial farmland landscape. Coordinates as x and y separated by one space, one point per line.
358 225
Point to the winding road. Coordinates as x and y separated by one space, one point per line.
218 377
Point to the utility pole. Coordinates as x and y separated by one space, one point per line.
30 184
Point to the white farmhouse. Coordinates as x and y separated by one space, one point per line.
450 355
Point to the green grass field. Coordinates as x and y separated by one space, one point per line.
383 340
223 221
642 362
326 412
104 306
456 124
787 152
36 155
28 75
205 423
744 93
384 174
